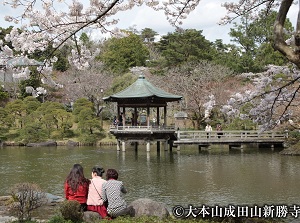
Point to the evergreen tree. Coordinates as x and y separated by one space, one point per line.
185 46
120 54
255 39
148 35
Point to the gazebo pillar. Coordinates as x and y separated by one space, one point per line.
118 112
148 116
123 117
157 116
165 116
135 116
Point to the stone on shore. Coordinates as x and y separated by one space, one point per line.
38 144
148 207
90 216
72 143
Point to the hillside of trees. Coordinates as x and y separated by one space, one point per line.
184 62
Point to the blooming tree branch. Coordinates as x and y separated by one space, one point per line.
272 99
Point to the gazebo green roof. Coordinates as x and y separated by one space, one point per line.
141 92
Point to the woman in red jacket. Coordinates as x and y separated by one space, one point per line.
76 186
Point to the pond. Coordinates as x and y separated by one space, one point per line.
217 176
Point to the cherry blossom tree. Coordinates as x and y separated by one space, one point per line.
274 99
253 8
91 84
202 84
58 22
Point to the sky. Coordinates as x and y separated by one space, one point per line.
205 17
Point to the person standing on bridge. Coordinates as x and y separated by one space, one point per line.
208 129
219 130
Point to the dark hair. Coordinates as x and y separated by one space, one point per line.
76 177
98 170
112 174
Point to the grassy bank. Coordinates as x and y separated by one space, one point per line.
146 219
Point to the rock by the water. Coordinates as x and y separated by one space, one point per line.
38 144
90 216
72 143
5 219
148 207
53 199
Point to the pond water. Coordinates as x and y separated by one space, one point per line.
218 176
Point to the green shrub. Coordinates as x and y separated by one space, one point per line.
32 133
56 135
69 133
90 139
241 124
70 210
294 135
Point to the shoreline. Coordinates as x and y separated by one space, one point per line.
56 143
41 214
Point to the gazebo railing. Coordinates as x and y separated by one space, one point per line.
142 128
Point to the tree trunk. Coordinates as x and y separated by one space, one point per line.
290 52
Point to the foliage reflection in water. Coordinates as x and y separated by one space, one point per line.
211 177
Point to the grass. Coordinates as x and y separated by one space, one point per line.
143 219
151 219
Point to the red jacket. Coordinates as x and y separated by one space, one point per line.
80 195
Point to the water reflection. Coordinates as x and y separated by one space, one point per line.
189 176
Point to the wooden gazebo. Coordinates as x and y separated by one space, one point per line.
140 98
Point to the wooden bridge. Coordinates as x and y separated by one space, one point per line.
232 138
200 138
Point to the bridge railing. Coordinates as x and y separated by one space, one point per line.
194 135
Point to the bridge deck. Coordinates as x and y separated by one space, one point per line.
201 138
228 137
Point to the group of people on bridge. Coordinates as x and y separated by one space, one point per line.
209 129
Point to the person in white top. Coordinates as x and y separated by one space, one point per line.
208 129
94 201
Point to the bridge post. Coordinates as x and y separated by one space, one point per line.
118 145
178 148
166 145
158 146
123 146
136 146
148 146
170 144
